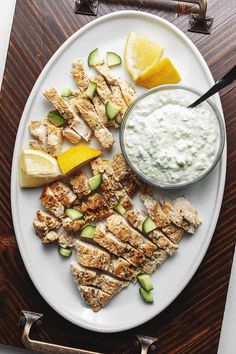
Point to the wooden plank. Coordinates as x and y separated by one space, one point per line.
192 323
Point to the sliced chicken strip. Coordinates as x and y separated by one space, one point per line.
104 282
63 107
127 90
51 203
184 207
108 191
55 140
63 194
79 75
158 258
40 132
123 270
89 114
99 166
119 100
45 226
136 218
71 135
72 226
80 185
107 240
34 144
100 109
119 227
175 217
94 297
106 72
95 208
155 211
174 232
66 239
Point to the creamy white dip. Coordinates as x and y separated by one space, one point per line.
168 142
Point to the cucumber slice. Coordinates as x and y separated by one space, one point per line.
88 231
113 59
146 295
66 92
93 58
56 119
111 110
148 225
145 282
120 209
95 181
91 90
74 214
65 252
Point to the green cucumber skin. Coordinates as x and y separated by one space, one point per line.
91 90
56 119
148 225
95 182
145 282
146 295
65 252
74 214
120 209
93 58
66 92
111 110
113 59
88 231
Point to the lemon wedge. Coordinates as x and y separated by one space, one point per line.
75 157
140 53
160 73
37 168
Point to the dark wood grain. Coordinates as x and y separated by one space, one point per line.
192 323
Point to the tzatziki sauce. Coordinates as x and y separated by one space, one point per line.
168 142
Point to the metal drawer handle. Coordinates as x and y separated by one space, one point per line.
28 319
197 23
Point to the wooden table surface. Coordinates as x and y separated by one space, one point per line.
192 323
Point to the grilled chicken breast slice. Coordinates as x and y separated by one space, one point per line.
34 144
71 135
72 226
119 227
173 232
184 207
94 297
63 107
44 226
40 132
63 193
106 72
119 101
55 140
100 109
155 211
66 239
104 282
96 208
89 114
136 218
127 90
79 74
51 203
80 185
158 258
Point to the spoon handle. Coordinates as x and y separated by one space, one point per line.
226 80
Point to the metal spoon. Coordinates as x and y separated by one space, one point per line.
226 80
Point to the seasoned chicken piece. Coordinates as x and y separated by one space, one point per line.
155 211
51 203
119 227
63 107
89 114
119 101
188 212
108 191
163 242
72 226
39 131
136 218
34 144
131 186
175 217
80 184
159 256
92 256
71 135
173 232
123 270
55 140
108 241
80 76
99 166
95 297
96 208
45 225
106 72
127 90
104 282
100 109
63 194
66 239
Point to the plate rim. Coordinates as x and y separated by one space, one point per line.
14 171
